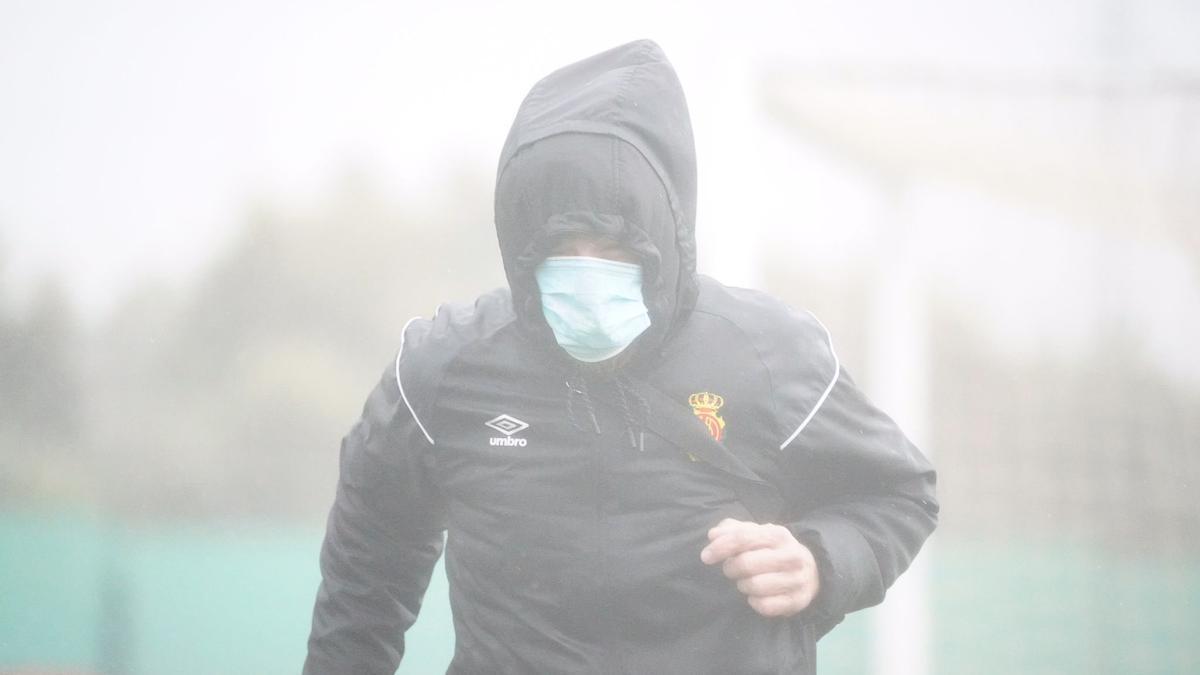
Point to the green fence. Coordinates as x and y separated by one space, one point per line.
84 595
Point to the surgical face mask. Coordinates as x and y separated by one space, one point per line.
594 306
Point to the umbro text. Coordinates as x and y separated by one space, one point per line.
507 440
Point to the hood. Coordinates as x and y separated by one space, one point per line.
603 146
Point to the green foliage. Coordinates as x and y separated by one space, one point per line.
228 396
41 405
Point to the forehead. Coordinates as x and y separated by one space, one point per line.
588 237
577 243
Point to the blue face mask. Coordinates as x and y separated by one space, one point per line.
594 306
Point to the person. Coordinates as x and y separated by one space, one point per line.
633 468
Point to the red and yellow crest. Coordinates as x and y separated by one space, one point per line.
705 406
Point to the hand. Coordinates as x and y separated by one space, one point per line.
777 573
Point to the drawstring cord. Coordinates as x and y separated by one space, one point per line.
635 415
635 427
580 390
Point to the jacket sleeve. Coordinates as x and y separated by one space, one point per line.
860 496
383 537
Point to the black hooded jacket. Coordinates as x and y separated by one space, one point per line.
575 504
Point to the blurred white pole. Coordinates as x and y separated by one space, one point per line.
734 202
898 374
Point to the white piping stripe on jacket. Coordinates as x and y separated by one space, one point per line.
837 371
400 384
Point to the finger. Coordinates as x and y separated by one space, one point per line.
759 561
774 583
728 524
734 541
774 605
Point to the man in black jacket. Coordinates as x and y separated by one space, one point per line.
635 469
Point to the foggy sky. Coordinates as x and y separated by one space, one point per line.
134 135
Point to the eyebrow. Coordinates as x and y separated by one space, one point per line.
605 242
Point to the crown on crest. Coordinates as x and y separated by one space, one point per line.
706 401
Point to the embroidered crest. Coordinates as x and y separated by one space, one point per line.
705 406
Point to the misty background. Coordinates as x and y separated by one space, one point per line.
215 221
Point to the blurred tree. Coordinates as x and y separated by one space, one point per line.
40 397
1095 448
230 398
46 370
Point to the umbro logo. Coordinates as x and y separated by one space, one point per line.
507 425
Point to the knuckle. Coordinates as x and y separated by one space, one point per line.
805 554
732 568
778 532
792 559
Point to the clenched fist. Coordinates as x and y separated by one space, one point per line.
777 573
